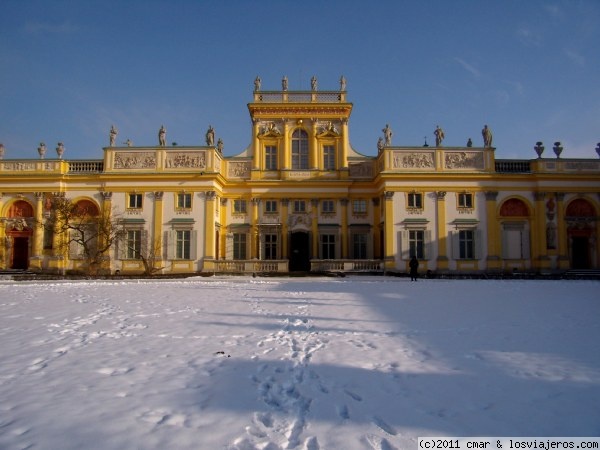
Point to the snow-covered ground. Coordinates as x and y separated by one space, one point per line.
306 363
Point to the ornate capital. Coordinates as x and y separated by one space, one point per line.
344 201
255 201
560 196
223 201
285 201
158 195
59 194
389 195
314 202
106 195
491 195
39 195
211 195
441 195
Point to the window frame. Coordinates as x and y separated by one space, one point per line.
360 206
184 201
271 207
299 206
465 200
327 210
414 201
329 157
240 206
300 150
135 200
270 157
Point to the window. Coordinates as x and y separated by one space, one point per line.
328 207
270 206
299 206
183 240
416 243
359 245
133 244
184 201
270 246
359 206
329 157
299 150
270 157
239 245
415 200
239 206
466 242
134 201
465 200
327 246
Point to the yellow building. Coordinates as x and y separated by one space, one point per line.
300 198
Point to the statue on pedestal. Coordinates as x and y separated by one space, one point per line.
162 136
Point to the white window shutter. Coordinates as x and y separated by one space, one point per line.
478 243
454 235
404 245
427 244
193 244
170 241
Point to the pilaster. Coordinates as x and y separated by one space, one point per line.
107 217
314 227
254 232
314 154
344 236
345 145
561 225
285 203
376 228
494 261
35 262
209 224
539 258
157 230
388 256
442 233
286 157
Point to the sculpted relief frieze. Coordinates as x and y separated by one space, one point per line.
185 160
414 160
464 160
240 169
134 160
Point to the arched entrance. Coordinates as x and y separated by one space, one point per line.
581 217
19 233
299 252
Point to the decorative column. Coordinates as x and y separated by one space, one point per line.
286 157
35 262
59 248
561 225
345 145
539 258
3 262
344 234
285 202
442 233
157 230
494 260
209 227
254 229
388 233
314 154
223 233
377 228
256 156
107 217
315 227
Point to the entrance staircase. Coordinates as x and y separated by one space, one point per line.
582 274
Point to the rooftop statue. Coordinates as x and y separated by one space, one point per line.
220 145
284 83
210 136
487 136
342 83
257 83
162 136
439 135
113 135
313 83
387 132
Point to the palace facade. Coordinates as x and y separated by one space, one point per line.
300 198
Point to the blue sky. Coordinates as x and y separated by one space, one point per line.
528 69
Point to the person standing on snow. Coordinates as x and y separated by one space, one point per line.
414 266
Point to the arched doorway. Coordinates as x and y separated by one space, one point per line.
299 252
19 233
581 216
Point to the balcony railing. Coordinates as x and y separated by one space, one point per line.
512 166
94 166
300 96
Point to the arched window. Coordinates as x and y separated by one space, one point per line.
514 207
20 208
299 150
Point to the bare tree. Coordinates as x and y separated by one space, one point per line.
84 232
137 245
